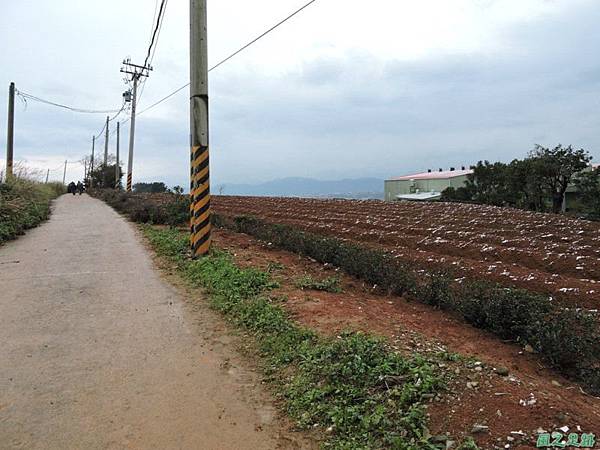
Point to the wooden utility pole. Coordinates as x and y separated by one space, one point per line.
92 162
65 173
136 72
10 132
47 175
105 169
199 175
118 156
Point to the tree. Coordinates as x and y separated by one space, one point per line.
488 182
524 186
154 187
588 184
556 168
106 174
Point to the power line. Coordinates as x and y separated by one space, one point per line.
237 52
262 35
70 108
158 21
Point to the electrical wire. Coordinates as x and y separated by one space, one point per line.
234 54
262 35
58 105
160 22
154 34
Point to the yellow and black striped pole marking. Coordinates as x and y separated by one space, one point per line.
129 180
200 226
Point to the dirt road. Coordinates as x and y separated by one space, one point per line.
98 352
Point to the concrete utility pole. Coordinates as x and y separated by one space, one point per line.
136 72
105 171
65 172
92 162
200 226
10 133
132 135
117 163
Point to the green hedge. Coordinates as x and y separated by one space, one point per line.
568 340
24 204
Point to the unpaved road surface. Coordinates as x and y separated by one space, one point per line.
98 352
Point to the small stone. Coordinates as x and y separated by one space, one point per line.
561 417
477 428
556 383
502 371
529 349
478 369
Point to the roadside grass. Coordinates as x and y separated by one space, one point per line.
329 284
354 387
24 204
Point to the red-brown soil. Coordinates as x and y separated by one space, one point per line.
495 401
546 253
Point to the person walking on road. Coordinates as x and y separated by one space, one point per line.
80 187
71 188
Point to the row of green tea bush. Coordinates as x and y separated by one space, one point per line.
24 204
568 339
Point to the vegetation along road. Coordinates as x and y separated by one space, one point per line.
99 352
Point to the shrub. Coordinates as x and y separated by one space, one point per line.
435 289
168 209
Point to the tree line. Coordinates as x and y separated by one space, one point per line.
538 182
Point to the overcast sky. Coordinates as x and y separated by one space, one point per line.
346 89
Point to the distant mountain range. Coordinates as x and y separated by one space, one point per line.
357 188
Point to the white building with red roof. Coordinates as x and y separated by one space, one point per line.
425 186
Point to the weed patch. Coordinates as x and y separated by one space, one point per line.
329 284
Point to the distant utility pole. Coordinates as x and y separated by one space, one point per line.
92 162
10 133
136 73
105 171
47 175
117 164
199 175
65 173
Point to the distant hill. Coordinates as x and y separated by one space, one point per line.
308 187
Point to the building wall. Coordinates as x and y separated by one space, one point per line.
393 188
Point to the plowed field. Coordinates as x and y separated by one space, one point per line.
546 253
